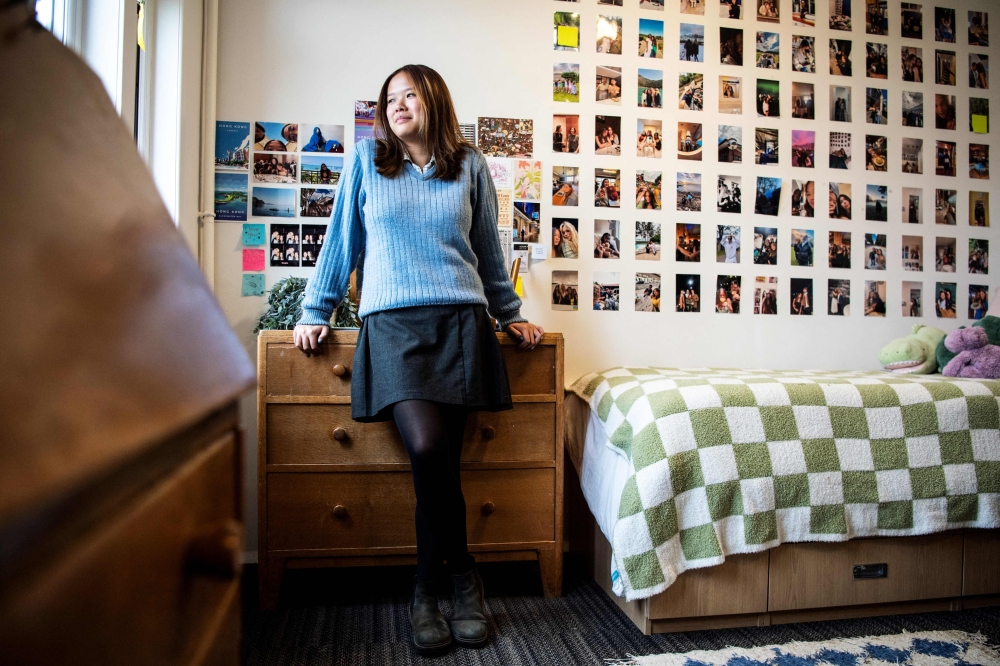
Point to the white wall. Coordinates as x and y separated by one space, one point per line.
307 61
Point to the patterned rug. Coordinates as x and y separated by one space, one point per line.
937 648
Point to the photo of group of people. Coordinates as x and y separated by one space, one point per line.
765 295
979 300
687 294
650 38
876 60
727 294
768 98
647 241
565 82
839 249
979 256
874 298
565 290
840 57
803 198
728 195
768 50
765 246
838 294
276 137
691 91
505 137
650 88
647 292
692 42
647 190
688 191
565 238
608 87
606 290
275 168
285 245
804 148
688 243
946 295
913 64
803 105
607 188
875 252
313 236
566 134
607 135
649 140
801 296
840 201
315 202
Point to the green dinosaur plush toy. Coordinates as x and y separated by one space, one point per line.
914 353
989 323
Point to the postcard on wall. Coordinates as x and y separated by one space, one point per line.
323 138
253 234
231 190
232 145
506 137
275 168
505 208
253 260
527 179
253 284
276 137
273 202
500 172
565 291
314 202
321 169
313 236
364 119
285 243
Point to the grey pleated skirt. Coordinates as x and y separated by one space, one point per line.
442 353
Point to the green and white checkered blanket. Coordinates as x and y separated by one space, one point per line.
739 461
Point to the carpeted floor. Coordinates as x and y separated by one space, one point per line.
359 616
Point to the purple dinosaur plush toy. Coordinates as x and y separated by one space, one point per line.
977 358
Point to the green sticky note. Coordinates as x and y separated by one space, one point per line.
980 123
567 35
253 284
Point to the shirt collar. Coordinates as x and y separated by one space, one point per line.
423 169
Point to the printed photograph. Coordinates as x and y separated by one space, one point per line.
979 68
803 245
840 150
944 24
946 295
913 253
606 291
607 135
944 68
613 3
838 295
651 5
609 34
804 148
979 29
730 143
566 31
767 50
840 201
232 146
840 57
944 255
765 246
913 300
565 237
803 96
944 207
314 202
874 298
650 38
690 91
876 17
692 42
608 86
768 11
688 242
565 291
318 170
276 138
323 139
912 153
650 90
689 192
649 139
840 104
875 153
728 197
840 15
607 239
565 186
565 82
804 54
526 223
765 146
731 9
979 256
979 209
566 134
979 161
647 190
877 203
607 188
912 205
727 294
913 109
803 198
689 141
647 241
727 244
768 196
647 291
913 64
730 94
231 194
768 95
979 300
285 243
731 46
911 24
696 7
877 106
804 12
364 119
688 293
875 252
273 202
944 164
839 249
979 115
275 168
801 296
313 236
876 60
505 137
765 295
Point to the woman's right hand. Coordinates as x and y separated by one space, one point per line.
307 338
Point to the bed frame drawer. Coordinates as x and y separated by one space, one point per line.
981 573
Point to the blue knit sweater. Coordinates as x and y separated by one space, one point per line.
427 241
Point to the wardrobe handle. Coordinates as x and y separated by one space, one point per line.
489 508
489 432
340 511
340 370
339 434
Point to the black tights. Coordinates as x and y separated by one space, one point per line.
433 433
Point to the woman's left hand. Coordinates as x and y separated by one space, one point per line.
529 335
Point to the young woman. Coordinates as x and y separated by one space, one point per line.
421 202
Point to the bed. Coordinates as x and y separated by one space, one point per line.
735 497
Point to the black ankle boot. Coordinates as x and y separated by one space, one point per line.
430 630
468 621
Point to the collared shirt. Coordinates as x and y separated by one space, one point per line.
424 168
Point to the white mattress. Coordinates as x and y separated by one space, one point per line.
602 471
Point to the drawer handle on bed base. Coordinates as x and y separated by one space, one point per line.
870 571
489 508
340 370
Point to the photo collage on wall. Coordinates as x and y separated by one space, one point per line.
871 69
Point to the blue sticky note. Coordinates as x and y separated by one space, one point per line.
253 284
253 234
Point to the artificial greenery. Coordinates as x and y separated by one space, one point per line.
284 308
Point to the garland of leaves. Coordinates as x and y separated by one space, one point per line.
284 308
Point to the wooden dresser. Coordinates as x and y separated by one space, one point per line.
335 492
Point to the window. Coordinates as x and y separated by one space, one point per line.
54 15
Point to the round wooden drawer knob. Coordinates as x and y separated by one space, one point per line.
489 508
340 511
340 370
489 432
339 434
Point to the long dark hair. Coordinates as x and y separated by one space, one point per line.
438 127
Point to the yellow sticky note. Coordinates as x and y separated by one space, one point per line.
979 123
519 287
567 35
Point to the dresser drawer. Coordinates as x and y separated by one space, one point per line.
307 435
819 575
290 372
376 509
531 371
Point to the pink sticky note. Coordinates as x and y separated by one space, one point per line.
253 260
